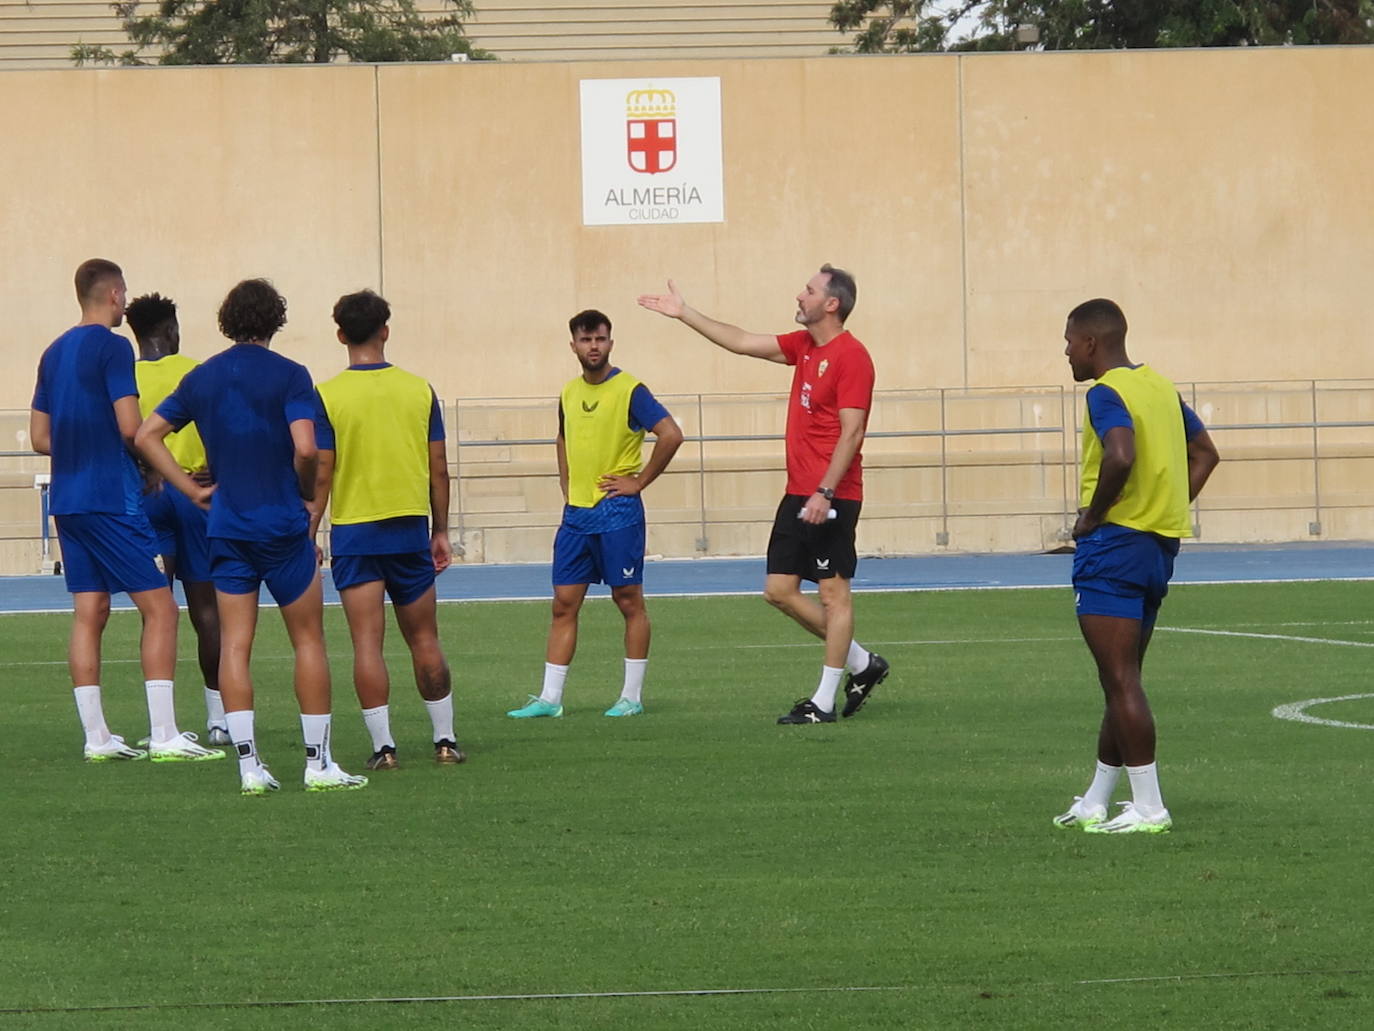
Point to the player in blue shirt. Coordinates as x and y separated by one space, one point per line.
603 415
255 411
84 415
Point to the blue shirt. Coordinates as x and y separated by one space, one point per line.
80 376
399 536
243 401
616 513
1107 411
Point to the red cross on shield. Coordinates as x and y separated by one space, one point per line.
651 144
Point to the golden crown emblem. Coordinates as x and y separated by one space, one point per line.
650 103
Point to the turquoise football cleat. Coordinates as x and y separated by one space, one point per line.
625 707
535 707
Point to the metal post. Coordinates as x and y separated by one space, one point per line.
1315 528
703 542
942 538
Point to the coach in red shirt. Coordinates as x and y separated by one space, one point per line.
813 532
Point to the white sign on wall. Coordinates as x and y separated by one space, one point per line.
651 151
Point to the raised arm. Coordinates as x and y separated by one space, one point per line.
722 334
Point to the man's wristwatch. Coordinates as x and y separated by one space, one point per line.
826 492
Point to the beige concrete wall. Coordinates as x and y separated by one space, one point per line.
1222 196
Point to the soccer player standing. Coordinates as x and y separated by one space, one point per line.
1146 455
179 523
256 413
603 415
813 530
380 433
85 415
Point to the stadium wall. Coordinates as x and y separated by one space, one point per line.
1221 196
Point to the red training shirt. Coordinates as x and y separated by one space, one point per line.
838 375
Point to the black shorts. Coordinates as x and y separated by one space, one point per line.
814 552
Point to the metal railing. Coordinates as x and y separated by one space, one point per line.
1298 461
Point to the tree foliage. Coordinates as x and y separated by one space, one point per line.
907 26
286 32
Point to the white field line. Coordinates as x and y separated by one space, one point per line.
1297 712
653 993
1267 637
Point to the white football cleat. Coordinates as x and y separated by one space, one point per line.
184 748
1134 821
1080 815
332 778
258 782
111 750
218 734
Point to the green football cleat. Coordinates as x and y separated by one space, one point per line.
535 707
113 750
184 748
625 707
1133 821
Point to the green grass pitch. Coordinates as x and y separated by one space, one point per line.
702 847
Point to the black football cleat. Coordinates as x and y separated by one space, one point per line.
805 711
857 686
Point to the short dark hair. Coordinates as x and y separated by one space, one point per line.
588 321
361 316
149 313
1100 318
253 310
842 287
91 274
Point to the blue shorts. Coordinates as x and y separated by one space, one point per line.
615 557
192 539
162 517
407 577
108 553
1122 572
181 528
286 565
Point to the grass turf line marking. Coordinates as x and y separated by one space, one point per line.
402 1000
675 993
1296 712
899 644
1267 637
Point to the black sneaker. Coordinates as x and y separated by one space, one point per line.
805 711
858 685
383 759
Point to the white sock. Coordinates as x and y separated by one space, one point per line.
858 658
378 723
315 730
1104 783
553 683
162 718
1145 789
441 715
214 708
240 726
824 698
634 679
92 714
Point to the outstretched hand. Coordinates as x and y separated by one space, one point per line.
670 304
